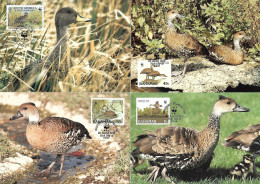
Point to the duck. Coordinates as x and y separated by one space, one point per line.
225 54
147 71
55 135
242 168
22 19
154 74
246 140
56 61
183 45
174 148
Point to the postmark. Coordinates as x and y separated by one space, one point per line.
154 73
177 112
107 114
152 111
24 17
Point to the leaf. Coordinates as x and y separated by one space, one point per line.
150 35
141 21
146 29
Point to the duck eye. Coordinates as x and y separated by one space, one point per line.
68 11
25 108
228 102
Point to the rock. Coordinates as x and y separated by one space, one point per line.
203 75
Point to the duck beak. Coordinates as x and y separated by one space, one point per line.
82 19
180 16
16 116
246 38
239 108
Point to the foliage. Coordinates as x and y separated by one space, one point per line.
151 112
210 21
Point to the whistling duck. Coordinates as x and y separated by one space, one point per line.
38 70
247 140
154 74
178 148
184 45
146 71
242 168
228 55
22 19
52 134
109 114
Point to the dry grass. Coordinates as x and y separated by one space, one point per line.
100 51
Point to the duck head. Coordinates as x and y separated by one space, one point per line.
27 110
173 14
67 16
225 104
240 35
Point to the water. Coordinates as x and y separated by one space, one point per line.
17 132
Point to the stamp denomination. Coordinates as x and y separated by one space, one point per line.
24 17
155 111
154 73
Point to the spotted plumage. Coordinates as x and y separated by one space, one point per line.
179 148
52 134
184 45
227 55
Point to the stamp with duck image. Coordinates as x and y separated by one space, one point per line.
24 17
154 73
152 111
107 113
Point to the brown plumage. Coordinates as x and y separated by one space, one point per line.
154 74
146 71
53 134
227 55
247 140
178 148
184 45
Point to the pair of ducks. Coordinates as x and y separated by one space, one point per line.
185 46
173 149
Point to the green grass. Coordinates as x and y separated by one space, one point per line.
198 107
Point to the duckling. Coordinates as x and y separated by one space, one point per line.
177 148
57 59
53 134
226 54
242 168
247 140
184 45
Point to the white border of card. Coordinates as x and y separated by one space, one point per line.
155 99
161 70
38 6
123 123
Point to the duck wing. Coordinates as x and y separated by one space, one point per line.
242 139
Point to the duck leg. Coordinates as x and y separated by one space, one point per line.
167 178
61 164
254 167
183 71
154 174
47 171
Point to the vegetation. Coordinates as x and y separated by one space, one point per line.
148 111
210 21
197 109
99 50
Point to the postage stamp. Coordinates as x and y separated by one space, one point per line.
107 113
24 17
154 73
108 110
155 111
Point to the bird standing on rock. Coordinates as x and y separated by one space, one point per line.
183 45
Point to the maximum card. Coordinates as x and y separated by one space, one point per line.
108 111
24 17
154 73
155 111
